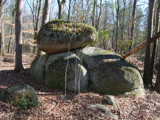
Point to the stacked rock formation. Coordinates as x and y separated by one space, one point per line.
101 70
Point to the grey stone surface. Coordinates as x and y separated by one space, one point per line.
58 65
37 69
109 73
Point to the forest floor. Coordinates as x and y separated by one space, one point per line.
76 107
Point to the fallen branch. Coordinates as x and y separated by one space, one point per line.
142 45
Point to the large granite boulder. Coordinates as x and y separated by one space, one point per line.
109 73
21 96
37 69
60 36
66 65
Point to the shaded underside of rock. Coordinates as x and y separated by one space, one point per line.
37 69
61 36
64 66
109 73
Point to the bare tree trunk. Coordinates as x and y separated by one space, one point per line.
69 10
46 12
132 28
147 78
124 14
45 18
2 27
93 13
1 14
105 16
117 24
129 19
9 43
18 33
99 17
61 7
37 20
155 43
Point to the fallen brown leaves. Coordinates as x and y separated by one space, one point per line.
53 106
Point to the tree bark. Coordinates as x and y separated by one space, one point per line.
147 78
105 16
69 10
37 20
2 27
18 34
132 28
9 43
117 25
1 14
93 12
60 7
122 29
99 17
155 43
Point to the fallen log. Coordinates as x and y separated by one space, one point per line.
142 45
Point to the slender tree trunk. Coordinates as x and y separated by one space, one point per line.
122 30
117 25
155 43
93 12
99 17
37 20
2 27
46 12
45 18
69 10
105 16
147 75
60 7
129 19
132 28
1 14
18 33
9 43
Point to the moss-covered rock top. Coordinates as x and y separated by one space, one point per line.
69 28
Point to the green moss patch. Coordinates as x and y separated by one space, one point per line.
22 96
69 28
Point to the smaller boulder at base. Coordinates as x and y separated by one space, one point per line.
109 73
22 96
61 36
66 66
37 69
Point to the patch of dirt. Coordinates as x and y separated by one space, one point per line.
75 107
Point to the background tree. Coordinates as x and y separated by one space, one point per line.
156 26
61 8
18 34
2 49
147 76
132 26
69 10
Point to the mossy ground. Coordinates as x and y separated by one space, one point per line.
22 97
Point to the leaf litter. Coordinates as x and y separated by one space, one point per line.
76 107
